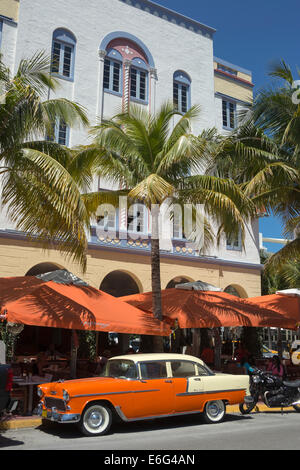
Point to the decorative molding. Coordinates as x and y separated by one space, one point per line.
172 17
125 35
102 54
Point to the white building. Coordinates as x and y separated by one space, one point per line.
107 53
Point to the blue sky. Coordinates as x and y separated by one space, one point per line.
253 35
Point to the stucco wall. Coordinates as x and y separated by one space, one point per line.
17 257
172 47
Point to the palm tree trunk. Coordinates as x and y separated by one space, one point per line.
155 272
155 263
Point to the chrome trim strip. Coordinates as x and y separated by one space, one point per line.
129 420
113 393
190 394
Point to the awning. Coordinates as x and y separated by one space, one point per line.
286 303
197 309
77 306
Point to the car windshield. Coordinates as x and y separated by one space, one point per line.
120 369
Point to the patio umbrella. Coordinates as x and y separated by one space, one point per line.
198 309
61 300
198 285
286 303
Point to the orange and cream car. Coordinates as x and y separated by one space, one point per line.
139 387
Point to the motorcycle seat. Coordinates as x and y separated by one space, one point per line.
294 384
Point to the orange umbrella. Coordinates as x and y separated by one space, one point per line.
32 301
198 309
285 305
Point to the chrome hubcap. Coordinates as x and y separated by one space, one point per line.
215 410
95 419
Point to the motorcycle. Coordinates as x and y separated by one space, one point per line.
273 391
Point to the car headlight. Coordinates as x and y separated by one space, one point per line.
66 396
39 392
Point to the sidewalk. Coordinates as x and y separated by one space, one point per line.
21 422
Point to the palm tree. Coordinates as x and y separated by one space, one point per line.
154 161
263 156
38 192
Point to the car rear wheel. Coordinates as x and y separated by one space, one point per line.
214 412
96 420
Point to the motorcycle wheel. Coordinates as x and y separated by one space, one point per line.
297 408
246 409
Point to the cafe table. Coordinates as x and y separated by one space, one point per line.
30 382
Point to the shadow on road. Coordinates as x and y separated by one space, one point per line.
70 431
8 442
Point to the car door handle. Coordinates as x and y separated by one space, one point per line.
168 381
197 380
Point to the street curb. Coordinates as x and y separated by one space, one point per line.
20 423
35 421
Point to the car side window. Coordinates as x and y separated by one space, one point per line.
183 369
153 370
203 371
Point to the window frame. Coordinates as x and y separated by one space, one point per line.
56 131
107 218
228 103
140 67
113 57
182 81
64 39
135 208
232 246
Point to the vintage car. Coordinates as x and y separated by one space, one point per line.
140 387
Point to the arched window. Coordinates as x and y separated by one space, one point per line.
126 65
112 80
63 54
139 80
181 91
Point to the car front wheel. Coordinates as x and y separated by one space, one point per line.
96 420
214 412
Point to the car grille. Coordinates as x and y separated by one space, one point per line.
55 403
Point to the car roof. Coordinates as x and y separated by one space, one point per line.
158 357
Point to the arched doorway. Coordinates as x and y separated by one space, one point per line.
236 291
34 339
176 281
118 284
43 268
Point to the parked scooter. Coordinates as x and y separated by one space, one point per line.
272 390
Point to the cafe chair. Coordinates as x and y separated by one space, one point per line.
18 397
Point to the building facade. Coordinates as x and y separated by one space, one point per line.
107 54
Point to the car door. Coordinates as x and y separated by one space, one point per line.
188 386
154 392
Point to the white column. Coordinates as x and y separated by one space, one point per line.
102 55
152 94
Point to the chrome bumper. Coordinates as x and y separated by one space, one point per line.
55 416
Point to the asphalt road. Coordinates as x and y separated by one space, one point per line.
263 431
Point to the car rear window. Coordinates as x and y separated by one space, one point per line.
183 369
